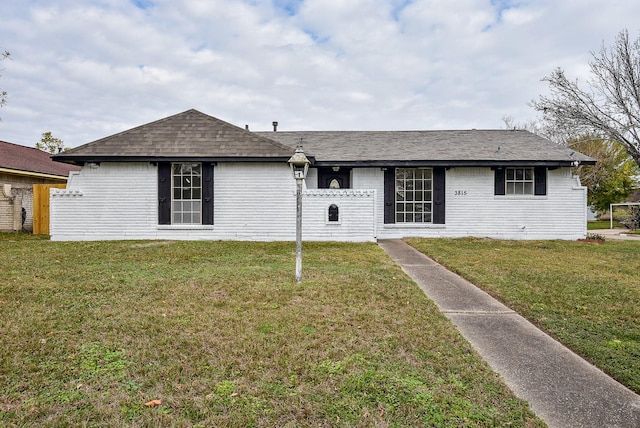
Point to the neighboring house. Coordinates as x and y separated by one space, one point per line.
20 168
192 176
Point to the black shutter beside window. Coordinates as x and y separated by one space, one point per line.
540 180
164 193
439 195
499 182
389 195
207 193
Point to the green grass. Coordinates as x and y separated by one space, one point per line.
602 224
220 332
586 295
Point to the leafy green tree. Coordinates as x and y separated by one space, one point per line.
608 106
611 179
51 144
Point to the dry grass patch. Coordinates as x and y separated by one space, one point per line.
220 332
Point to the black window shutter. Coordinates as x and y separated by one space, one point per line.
540 180
499 181
389 195
164 193
438 195
207 193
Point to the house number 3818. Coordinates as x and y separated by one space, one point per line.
460 193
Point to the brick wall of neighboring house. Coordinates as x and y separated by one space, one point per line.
11 204
21 196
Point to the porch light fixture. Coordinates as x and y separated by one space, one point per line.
299 167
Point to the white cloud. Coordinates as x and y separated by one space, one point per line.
87 69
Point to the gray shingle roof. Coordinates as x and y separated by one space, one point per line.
429 146
195 135
190 134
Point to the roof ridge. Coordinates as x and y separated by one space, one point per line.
22 147
177 115
91 143
254 134
396 131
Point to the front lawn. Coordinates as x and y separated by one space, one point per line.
218 334
586 295
603 224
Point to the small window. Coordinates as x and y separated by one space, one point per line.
334 213
519 181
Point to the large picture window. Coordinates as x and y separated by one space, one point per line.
185 193
186 185
414 195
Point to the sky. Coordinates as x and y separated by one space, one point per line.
87 69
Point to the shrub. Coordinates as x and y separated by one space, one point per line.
595 237
632 219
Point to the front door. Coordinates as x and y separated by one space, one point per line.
329 178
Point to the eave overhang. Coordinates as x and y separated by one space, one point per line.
81 160
34 174
453 163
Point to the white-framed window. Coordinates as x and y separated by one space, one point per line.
519 181
186 193
414 195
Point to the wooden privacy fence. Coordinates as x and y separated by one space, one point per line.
41 207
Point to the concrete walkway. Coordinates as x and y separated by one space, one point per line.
617 233
562 388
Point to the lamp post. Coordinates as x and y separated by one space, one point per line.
299 167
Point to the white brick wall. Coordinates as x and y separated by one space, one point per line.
473 210
251 202
113 201
356 215
256 201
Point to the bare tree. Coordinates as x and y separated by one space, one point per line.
3 94
539 127
609 107
531 126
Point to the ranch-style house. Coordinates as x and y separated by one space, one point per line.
193 176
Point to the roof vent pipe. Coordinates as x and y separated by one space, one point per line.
275 126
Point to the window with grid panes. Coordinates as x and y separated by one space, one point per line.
186 185
414 195
519 181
